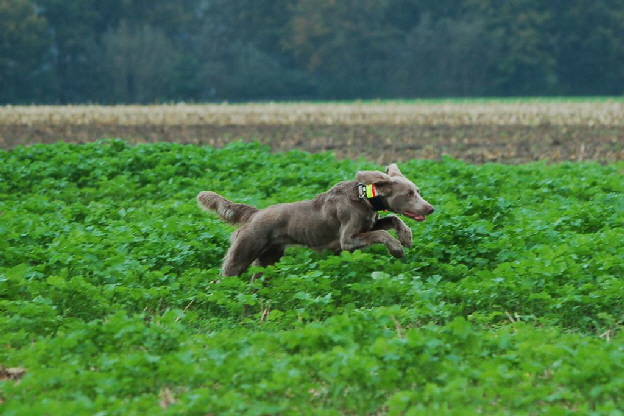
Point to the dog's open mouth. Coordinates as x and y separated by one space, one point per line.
414 216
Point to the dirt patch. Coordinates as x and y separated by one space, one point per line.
14 373
477 143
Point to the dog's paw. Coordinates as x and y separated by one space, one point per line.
395 249
405 236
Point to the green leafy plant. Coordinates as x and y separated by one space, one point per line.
510 301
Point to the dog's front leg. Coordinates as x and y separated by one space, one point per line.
351 240
403 231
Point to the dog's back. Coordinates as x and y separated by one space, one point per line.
313 223
264 234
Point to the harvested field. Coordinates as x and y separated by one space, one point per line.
473 130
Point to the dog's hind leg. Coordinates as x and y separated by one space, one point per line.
268 258
246 247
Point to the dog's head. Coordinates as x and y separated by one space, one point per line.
399 193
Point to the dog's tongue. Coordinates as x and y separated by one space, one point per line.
414 216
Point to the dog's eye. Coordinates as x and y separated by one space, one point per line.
410 193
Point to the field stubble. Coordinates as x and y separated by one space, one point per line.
475 131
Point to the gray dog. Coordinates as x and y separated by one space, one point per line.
343 218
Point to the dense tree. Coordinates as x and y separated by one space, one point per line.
71 51
74 41
345 43
447 57
140 63
23 47
526 65
233 64
588 46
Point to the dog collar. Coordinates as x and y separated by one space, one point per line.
369 193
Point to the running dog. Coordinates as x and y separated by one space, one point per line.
343 218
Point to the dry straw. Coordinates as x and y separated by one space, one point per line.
527 113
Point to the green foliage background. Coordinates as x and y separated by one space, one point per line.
510 301
137 51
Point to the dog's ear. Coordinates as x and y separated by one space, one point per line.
393 170
368 177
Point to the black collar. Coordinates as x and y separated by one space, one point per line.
369 193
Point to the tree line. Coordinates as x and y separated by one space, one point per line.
147 51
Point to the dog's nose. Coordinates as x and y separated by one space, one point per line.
431 209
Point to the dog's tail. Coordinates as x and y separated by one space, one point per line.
228 211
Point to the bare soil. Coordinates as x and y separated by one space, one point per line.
476 143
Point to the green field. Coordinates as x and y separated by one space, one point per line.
511 301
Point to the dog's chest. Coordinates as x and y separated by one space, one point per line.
370 222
